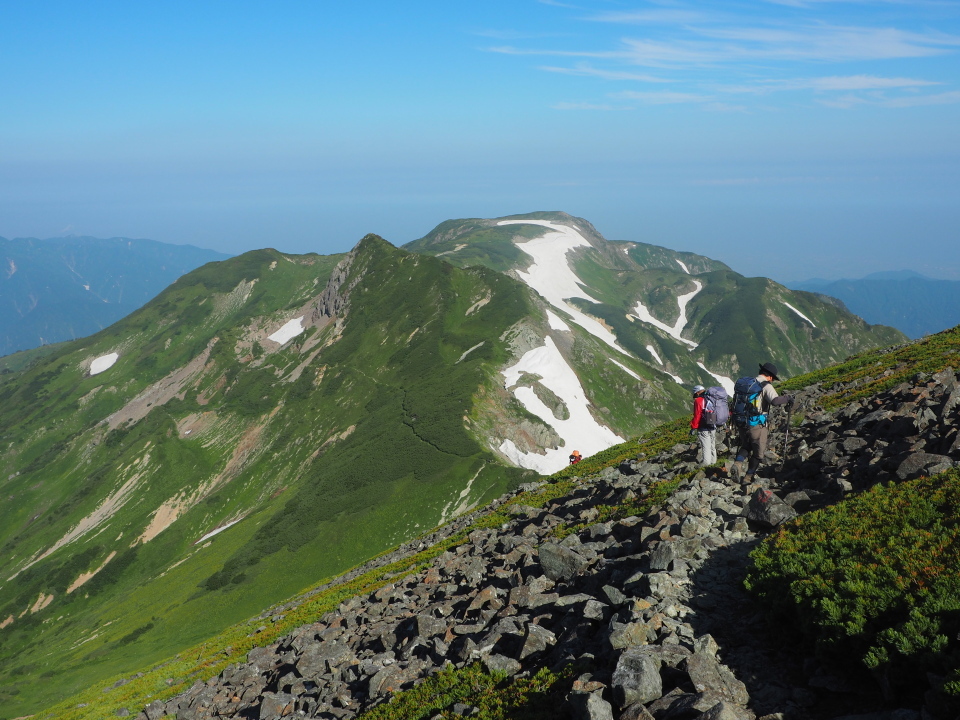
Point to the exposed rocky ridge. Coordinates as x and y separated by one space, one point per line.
654 604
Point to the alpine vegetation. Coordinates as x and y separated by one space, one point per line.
272 420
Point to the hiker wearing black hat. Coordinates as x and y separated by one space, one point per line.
753 398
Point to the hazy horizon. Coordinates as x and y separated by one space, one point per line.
792 138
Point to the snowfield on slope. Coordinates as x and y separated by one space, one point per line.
105 362
580 431
552 277
725 382
288 332
644 315
798 312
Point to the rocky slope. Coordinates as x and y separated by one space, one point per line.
649 607
273 420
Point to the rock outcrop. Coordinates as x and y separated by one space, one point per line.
654 605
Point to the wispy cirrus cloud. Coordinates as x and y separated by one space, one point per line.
586 70
830 84
844 102
700 51
665 97
659 16
582 106
727 46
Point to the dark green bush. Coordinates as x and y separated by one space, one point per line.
872 582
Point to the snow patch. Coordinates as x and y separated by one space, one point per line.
676 378
104 362
467 352
580 430
798 312
654 353
288 332
462 501
556 323
685 268
627 370
551 275
644 315
217 531
725 382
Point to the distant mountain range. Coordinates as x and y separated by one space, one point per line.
273 419
906 300
65 288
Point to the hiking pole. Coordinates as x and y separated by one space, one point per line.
786 436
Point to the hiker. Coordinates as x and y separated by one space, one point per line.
706 431
575 457
752 400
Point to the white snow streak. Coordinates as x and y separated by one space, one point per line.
627 370
104 362
685 268
551 275
676 378
798 312
644 316
462 501
654 353
724 381
556 323
288 332
218 530
467 352
580 431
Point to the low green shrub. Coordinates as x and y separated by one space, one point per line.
871 582
496 697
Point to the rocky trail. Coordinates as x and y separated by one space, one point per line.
652 606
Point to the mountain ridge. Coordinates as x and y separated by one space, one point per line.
276 418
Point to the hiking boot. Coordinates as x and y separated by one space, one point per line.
747 479
736 470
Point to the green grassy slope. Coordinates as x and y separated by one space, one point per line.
738 322
324 452
845 381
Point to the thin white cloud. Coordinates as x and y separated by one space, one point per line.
845 102
585 70
514 35
665 97
510 50
581 106
835 83
650 17
819 43
830 43
945 98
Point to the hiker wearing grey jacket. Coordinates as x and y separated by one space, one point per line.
753 439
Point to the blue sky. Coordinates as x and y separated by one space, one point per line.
790 139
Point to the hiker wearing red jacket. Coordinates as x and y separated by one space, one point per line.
706 433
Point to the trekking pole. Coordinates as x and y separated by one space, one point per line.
786 435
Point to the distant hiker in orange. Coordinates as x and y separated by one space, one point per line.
706 432
575 457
